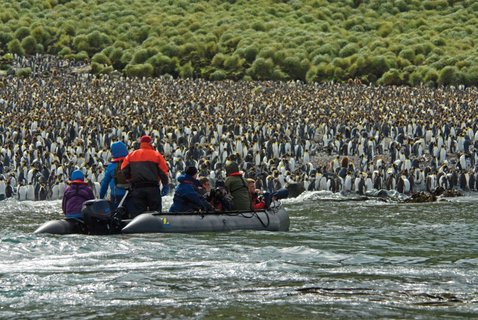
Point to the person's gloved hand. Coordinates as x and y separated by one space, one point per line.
165 191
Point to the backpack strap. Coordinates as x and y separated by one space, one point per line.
244 185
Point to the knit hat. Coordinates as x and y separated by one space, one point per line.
77 175
231 167
119 149
146 139
191 171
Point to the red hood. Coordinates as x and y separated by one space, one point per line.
77 182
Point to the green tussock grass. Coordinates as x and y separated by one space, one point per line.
408 42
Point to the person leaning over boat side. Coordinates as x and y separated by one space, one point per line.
114 177
186 196
236 185
76 193
257 202
215 197
204 186
144 168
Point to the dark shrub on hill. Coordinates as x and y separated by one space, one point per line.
139 70
101 58
14 46
261 69
163 64
186 71
471 77
29 45
391 77
22 33
450 75
5 38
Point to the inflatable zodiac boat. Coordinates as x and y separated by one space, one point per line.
99 220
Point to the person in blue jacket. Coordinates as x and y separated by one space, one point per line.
186 197
114 178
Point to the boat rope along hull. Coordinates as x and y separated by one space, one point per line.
276 219
167 223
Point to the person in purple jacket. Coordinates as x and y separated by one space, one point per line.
76 193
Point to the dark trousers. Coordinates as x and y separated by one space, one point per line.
145 199
127 206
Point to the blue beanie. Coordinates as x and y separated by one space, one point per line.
119 149
77 175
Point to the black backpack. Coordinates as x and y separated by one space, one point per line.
120 178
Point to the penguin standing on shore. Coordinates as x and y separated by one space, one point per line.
472 181
347 186
22 191
462 181
418 180
390 183
431 183
359 184
377 180
3 187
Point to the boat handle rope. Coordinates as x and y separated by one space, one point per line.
256 214
262 222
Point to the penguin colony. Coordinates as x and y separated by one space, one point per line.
349 138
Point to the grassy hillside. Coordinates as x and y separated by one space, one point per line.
389 42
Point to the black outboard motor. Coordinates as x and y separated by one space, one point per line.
99 218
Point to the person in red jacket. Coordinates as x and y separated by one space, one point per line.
144 169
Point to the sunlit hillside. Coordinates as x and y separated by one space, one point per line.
387 42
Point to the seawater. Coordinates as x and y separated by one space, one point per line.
341 259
